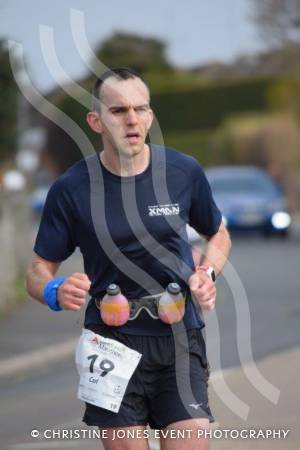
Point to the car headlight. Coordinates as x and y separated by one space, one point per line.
281 220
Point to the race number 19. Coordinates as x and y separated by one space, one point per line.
105 365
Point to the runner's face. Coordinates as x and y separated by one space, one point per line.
125 115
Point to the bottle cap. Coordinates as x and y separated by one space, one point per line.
113 289
173 288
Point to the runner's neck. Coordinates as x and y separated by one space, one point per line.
126 167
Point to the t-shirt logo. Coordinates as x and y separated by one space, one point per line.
171 209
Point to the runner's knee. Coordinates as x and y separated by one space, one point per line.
127 438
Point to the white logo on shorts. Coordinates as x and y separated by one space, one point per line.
196 405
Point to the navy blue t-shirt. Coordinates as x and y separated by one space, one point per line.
131 231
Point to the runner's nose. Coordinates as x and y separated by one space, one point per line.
131 117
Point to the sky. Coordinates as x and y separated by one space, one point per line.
196 31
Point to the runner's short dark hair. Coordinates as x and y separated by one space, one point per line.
121 73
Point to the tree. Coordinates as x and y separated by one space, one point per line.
131 50
8 106
278 21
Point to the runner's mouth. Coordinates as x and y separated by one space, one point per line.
132 137
132 134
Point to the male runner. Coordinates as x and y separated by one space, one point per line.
126 208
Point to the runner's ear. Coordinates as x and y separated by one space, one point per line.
94 122
150 119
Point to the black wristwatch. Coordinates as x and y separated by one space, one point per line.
210 272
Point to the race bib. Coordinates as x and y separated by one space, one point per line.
105 367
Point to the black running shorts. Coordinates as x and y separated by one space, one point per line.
157 394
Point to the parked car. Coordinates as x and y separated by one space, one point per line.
249 199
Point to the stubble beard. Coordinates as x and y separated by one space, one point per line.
128 152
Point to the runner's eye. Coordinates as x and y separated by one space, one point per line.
119 110
143 108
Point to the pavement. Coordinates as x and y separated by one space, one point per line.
280 369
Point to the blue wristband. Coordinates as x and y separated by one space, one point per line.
50 293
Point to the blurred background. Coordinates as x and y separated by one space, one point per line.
225 86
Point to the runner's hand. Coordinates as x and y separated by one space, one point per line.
71 295
203 290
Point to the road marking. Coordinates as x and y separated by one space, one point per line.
38 358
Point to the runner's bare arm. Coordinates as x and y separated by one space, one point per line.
38 273
217 249
71 294
214 255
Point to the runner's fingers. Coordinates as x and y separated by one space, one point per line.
74 301
78 293
73 285
72 307
67 298
209 304
81 277
68 304
77 301
80 284
194 282
204 283
205 292
207 298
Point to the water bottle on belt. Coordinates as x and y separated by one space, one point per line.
116 310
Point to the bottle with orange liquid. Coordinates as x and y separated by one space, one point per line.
171 305
114 308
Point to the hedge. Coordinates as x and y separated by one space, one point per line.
206 107
8 107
